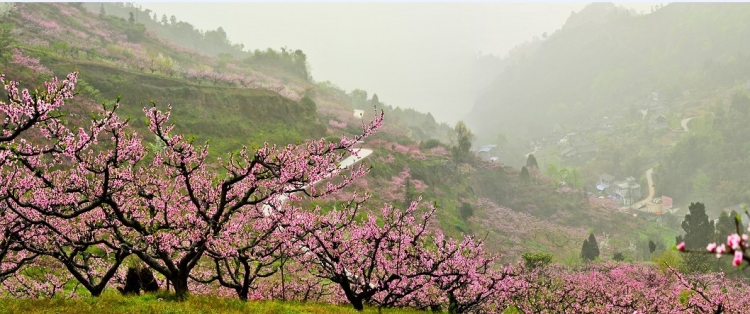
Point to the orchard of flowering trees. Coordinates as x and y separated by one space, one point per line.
77 202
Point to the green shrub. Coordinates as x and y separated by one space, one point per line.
533 260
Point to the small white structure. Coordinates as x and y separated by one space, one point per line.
628 191
359 113
486 151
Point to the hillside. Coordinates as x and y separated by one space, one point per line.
711 163
182 33
605 59
120 58
263 96
514 213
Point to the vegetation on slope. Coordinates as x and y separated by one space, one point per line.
605 58
219 110
711 163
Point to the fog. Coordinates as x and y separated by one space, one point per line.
413 55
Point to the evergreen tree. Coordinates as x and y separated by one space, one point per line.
651 246
725 226
594 246
699 231
525 173
164 19
590 249
375 101
102 12
531 162
585 251
131 19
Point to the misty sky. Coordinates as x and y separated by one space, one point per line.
413 55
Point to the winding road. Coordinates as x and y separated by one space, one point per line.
359 154
684 123
650 171
651 190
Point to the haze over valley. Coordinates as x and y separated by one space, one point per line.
414 55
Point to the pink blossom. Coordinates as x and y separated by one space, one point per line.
733 241
737 258
721 249
711 247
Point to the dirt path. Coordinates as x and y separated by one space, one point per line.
361 153
650 180
651 190
684 123
348 161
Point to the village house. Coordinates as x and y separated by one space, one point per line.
605 180
658 122
486 152
628 191
578 146
568 152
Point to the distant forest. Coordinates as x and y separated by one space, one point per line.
210 42
605 58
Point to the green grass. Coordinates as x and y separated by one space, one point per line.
113 302
227 117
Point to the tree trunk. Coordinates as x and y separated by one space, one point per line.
353 298
357 304
180 287
452 304
242 293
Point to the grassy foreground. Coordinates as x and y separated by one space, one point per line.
113 302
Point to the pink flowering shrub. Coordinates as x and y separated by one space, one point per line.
396 187
506 222
567 190
68 10
336 124
625 288
387 159
47 26
419 185
440 151
604 203
29 62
